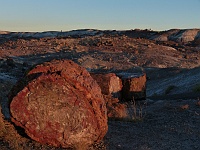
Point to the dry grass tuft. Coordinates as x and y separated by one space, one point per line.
137 111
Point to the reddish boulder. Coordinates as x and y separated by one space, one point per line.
110 84
60 104
134 86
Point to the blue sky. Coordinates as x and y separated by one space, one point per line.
56 15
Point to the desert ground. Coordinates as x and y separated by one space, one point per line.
171 59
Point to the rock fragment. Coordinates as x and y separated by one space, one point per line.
115 109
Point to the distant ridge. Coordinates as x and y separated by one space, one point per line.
177 35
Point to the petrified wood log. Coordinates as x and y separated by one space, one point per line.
60 104
134 86
111 87
110 84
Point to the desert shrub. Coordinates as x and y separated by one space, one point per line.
136 112
169 89
196 88
155 94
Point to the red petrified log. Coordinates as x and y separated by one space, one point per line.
60 104
110 84
111 87
134 87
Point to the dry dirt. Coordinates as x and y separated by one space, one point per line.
171 115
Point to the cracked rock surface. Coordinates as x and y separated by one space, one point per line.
59 103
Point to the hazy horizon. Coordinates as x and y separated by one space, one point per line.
50 15
95 29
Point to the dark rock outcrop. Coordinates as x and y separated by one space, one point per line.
59 103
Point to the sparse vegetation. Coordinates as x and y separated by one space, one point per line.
169 89
136 111
155 94
196 88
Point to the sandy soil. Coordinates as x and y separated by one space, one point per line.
165 126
